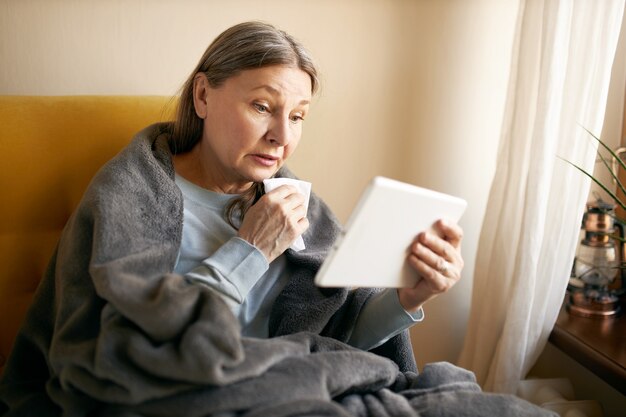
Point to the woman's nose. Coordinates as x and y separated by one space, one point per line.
279 132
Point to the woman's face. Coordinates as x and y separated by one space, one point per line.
252 124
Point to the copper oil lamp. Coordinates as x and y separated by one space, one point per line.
599 260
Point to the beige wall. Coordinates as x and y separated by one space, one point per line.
460 74
411 89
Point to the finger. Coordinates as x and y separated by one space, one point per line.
439 247
433 260
436 281
296 225
450 231
294 200
282 191
298 213
287 196
303 224
290 194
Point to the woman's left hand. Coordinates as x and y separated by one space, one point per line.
436 256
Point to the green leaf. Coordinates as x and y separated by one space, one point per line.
617 218
610 169
605 146
609 192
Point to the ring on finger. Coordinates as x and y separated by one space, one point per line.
444 266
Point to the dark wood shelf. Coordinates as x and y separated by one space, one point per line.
596 343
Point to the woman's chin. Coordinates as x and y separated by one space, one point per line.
262 174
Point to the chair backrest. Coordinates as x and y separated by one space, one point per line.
52 147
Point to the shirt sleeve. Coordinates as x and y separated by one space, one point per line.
232 270
382 318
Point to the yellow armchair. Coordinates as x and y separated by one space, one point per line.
52 147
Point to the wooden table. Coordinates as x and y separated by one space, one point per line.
598 344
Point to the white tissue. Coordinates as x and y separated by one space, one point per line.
303 187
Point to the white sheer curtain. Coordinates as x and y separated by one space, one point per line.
561 68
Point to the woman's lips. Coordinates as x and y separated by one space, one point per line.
265 160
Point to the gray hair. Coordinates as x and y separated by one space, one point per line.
244 46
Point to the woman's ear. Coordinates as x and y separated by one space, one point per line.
200 90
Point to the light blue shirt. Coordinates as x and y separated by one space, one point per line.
212 254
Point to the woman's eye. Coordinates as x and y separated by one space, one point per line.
261 108
296 118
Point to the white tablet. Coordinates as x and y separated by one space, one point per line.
372 250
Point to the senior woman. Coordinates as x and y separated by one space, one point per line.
247 120
177 227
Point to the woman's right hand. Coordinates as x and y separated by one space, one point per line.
275 221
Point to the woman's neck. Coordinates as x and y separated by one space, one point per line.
191 167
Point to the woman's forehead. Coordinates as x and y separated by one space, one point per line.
276 80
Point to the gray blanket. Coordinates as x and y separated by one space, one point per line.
112 331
